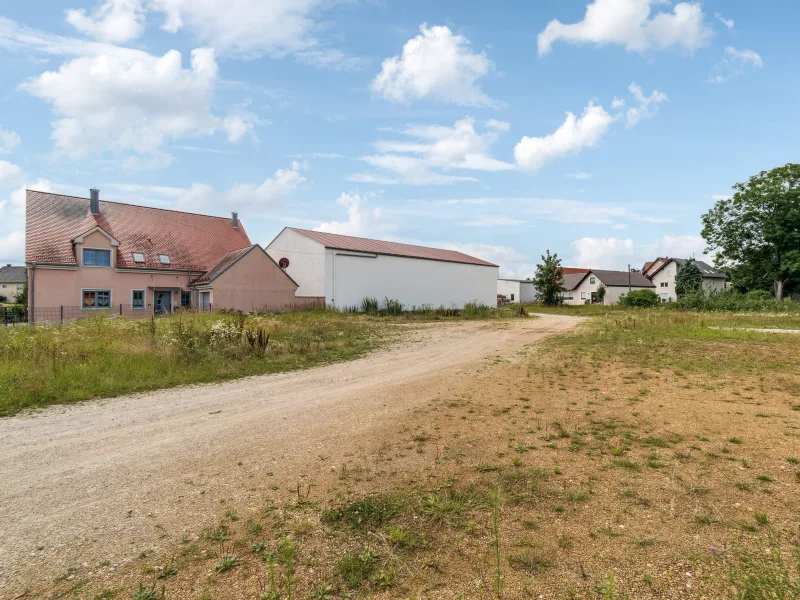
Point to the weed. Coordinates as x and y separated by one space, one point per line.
531 561
764 574
404 538
761 517
144 593
227 563
369 513
735 440
626 463
217 534
486 468
168 571
765 478
355 568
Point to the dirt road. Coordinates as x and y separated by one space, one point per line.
99 482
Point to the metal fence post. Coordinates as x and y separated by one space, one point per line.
62 313
120 310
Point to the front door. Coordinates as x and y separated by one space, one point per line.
163 303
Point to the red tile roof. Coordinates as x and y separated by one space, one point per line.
193 242
356 244
225 262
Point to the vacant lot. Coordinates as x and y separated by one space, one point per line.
643 455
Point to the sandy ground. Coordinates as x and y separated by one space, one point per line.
100 481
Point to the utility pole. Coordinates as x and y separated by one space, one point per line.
629 278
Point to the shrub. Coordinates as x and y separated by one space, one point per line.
640 298
369 305
392 307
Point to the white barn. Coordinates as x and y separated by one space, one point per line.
345 270
516 290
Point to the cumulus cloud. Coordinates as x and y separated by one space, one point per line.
734 63
361 220
9 173
12 247
572 136
646 106
436 64
12 219
512 262
112 21
629 23
433 151
616 254
8 140
729 23
133 103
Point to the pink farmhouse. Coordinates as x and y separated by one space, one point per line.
87 254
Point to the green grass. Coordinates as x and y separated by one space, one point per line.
104 357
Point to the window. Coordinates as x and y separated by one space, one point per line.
592 280
186 299
137 299
205 300
163 259
566 295
583 295
96 299
138 257
93 257
512 297
4 286
665 284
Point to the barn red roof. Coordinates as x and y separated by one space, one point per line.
193 242
357 244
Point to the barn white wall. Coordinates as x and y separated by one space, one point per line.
667 276
306 261
414 282
527 292
506 287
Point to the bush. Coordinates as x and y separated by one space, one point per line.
640 299
393 307
753 301
369 305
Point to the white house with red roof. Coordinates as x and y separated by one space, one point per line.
87 254
345 270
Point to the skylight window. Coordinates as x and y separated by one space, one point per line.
164 259
138 257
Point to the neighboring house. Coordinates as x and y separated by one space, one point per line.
581 288
663 272
573 270
516 290
84 254
12 282
346 269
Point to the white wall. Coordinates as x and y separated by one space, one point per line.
507 287
527 292
666 276
583 293
306 261
613 293
412 281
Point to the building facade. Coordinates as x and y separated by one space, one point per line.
12 282
516 290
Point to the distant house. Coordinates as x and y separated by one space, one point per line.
581 288
346 269
663 272
516 290
12 282
86 254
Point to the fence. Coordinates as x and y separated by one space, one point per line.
16 313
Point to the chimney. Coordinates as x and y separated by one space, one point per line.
94 201
235 220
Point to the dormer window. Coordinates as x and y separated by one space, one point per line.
138 257
164 259
95 257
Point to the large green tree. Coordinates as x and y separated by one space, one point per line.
689 279
756 232
549 279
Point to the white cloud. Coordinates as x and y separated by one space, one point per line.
727 22
436 64
512 263
734 63
360 219
433 151
133 103
113 21
9 172
647 106
578 175
572 136
8 140
12 247
629 23
616 254
255 28
573 212
17 198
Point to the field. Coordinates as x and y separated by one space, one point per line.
646 454
104 357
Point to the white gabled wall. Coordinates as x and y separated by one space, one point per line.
412 281
506 287
306 261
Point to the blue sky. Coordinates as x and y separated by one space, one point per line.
601 131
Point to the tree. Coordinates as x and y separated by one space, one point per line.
549 279
600 295
22 297
689 279
757 230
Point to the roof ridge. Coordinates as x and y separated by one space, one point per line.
183 212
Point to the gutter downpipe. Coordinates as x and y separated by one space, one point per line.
32 296
333 295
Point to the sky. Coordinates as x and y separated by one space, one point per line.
601 131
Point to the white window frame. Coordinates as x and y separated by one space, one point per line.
201 303
164 259
583 295
180 299
144 300
110 259
567 296
133 256
592 280
95 307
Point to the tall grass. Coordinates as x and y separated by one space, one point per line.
101 356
